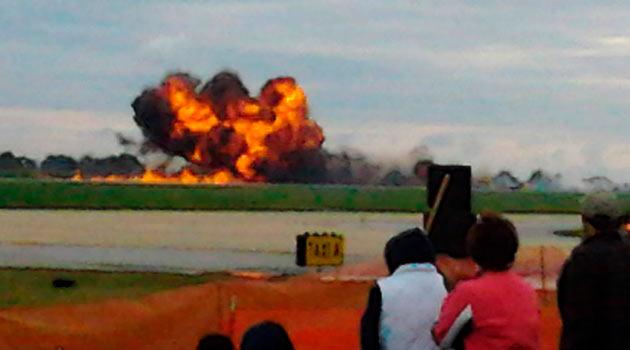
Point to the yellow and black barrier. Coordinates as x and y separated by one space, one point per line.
314 249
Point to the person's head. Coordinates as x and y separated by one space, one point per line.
601 212
454 269
452 258
265 336
492 243
407 247
215 342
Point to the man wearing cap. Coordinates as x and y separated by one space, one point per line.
594 285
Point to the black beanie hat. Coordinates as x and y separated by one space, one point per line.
410 246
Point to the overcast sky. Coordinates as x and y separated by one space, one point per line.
497 84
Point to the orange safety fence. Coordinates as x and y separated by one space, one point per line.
317 314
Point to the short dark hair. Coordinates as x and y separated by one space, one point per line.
266 335
215 342
493 242
410 246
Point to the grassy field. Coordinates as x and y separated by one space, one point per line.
26 287
25 193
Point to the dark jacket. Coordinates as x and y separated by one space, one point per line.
370 322
594 294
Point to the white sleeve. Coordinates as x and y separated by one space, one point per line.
459 323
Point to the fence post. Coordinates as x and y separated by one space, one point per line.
232 319
543 274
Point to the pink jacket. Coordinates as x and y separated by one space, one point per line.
504 310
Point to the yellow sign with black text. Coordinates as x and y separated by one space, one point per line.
320 249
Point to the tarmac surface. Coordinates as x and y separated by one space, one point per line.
191 242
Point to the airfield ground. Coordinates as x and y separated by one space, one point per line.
107 310
196 241
48 194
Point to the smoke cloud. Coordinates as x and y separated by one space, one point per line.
221 128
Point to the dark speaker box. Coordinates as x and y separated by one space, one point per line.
448 234
457 197
454 216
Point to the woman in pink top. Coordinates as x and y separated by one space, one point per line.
497 309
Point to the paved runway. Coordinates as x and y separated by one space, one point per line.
207 241
148 259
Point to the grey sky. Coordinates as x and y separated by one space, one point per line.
498 84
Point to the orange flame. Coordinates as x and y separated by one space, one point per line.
254 132
186 176
274 124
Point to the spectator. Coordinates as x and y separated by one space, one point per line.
594 285
452 258
497 309
403 307
455 269
215 342
267 335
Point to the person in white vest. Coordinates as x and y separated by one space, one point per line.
403 307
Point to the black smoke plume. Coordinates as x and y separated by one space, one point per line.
221 147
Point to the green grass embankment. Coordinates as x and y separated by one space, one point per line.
39 194
33 287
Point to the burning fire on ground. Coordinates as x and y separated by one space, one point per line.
186 176
225 134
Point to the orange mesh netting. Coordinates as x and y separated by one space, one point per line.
317 314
